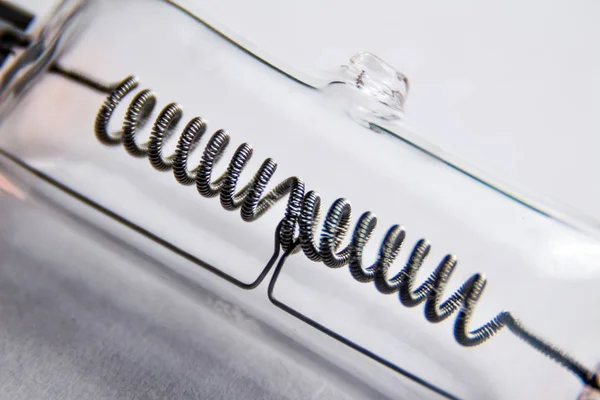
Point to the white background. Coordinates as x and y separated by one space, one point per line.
510 87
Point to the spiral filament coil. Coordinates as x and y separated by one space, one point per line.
297 230
249 198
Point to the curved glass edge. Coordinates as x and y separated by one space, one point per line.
557 211
48 41
54 35
544 206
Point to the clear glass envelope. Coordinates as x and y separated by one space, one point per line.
539 266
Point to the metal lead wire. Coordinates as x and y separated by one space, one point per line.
302 218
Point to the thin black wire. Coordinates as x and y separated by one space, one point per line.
80 78
243 285
132 225
336 336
